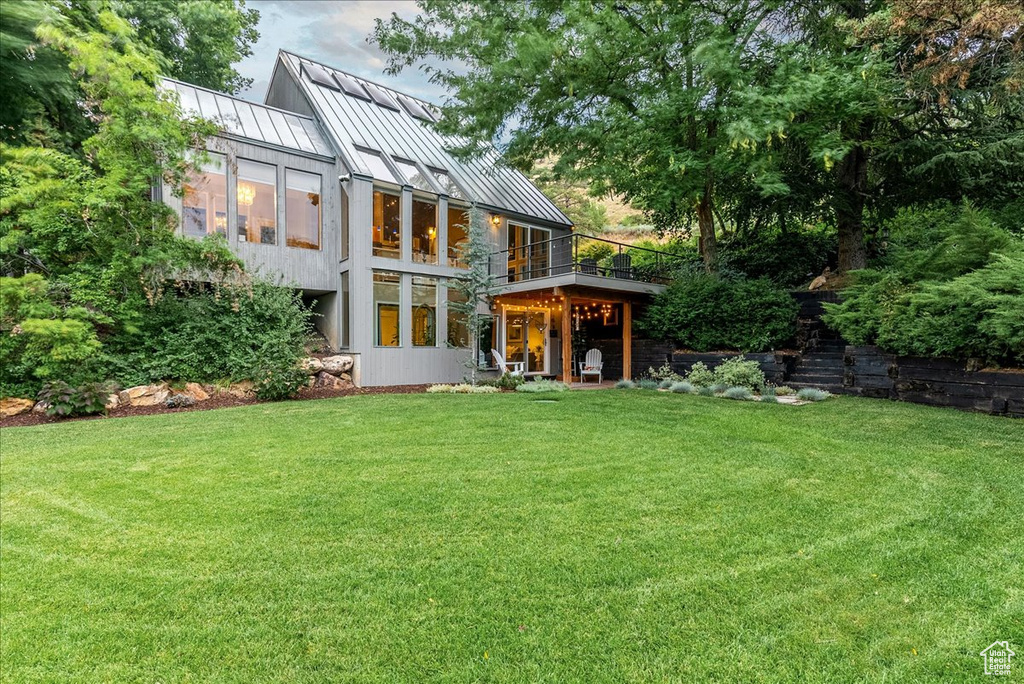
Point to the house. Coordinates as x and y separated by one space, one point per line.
340 187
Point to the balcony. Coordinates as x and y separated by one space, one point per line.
583 260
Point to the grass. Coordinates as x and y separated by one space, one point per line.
606 537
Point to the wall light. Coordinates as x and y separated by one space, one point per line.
496 220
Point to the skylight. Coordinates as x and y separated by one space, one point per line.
319 75
414 108
413 175
448 185
378 169
351 86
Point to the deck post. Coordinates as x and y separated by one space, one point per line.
627 340
566 340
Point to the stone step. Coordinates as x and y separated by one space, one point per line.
834 388
813 379
829 365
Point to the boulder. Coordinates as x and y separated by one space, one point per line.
336 365
311 365
41 407
13 406
144 395
113 401
324 379
243 390
196 391
180 400
346 377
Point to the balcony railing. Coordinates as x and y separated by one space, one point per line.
586 255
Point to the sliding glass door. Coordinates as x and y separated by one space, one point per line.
526 337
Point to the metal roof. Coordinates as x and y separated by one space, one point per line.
354 121
252 121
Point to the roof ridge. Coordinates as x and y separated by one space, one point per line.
239 99
362 78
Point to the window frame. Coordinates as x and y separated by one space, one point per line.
239 161
320 210
401 232
377 309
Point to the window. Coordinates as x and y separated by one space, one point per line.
257 202
378 169
424 311
448 186
204 205
387 225
528 252
345 314
302 209
458 329
458 236
424 232
387 298
344 224
413 175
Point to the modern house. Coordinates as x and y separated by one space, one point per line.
342 188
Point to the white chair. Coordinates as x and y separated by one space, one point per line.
515 368
592 365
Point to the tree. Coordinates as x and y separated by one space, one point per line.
475 286
633 97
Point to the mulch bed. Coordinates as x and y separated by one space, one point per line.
217 401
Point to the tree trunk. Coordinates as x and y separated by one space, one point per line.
706 223
849 208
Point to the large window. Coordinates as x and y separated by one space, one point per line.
257 202
529 252
458 330
344 224
346 316
458 236
424 311
387 306
424 232
387 225
205 200
302 209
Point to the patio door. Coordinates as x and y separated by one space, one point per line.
525 337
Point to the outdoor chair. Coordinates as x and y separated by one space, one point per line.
515 368
588 266
622 266
592 365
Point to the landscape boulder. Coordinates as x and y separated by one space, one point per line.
324 379
180 400
144 395
41 407
243 390
196 391
13 406
336 365
113 401
311 365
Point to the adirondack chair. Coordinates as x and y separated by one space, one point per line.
514 368
592 365
588 266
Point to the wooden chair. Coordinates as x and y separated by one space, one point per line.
592 365
622 266
588 266
515 368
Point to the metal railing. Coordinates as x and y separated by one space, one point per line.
587 255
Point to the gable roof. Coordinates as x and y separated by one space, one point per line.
251 121
361 114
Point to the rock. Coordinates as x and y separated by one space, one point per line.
336 365
180 400
346 377
821 281
243 390
324 379
311 365
41 407
113 401
144 395
196 391
13 406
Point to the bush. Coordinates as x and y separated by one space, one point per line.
707 312
769 399
462 388
63 400
508 381
666 383
275 383
682 387
625 384
738 372
663 373
540 386
811 394
700 375
738 393
784 391
646 384
768 391
705 391
789 258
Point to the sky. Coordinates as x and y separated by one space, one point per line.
334 32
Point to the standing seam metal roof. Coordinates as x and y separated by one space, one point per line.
252 121
352 121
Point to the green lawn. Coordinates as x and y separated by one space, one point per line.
608 536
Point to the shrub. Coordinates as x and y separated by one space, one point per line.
789 258
705 391
280 382
768 391
63 400
682 387
540 386
769 399
666 383
738 372
706 312
439 389
811 394
784 391
700 375
646 384
462 388
625 384
508 381
719 388
663 373
741 393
